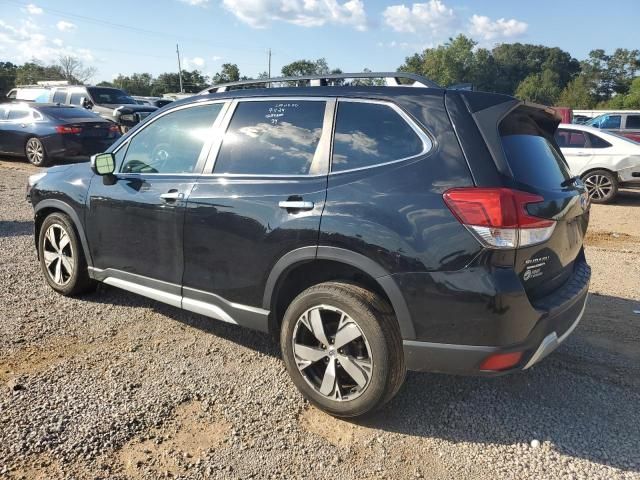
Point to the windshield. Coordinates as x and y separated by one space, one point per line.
110 95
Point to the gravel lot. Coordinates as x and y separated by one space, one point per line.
114 385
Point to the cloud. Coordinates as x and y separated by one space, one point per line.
196 3
24 42
193 63
486 29
304 13
65 26
216 58
33 9
433 17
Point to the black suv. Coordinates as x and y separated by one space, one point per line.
110 103
373 228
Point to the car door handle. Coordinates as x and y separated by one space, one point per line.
172 196
296 205
581 154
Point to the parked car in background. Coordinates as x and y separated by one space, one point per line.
153 101
605 161
44 133
373 229
580 119
622 123
110 103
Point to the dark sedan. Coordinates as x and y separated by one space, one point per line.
45 132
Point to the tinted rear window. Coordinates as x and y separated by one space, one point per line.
531 152
72 112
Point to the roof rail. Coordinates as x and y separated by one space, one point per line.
391 79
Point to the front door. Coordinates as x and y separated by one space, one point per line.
263 198
135 223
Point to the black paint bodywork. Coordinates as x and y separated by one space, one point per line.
228 243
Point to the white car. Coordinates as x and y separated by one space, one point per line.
603 160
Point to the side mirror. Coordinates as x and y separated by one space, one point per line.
86 103
103 164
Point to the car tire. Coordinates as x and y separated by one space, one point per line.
602 185
61 256
342 347
35 152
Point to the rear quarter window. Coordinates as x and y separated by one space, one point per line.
368 134
531 152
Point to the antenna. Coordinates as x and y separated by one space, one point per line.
179 68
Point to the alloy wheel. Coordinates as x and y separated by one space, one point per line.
332 353
35 151
598 186
57 252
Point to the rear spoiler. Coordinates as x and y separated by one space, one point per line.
490 109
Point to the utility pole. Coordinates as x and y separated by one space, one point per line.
179 68
269 70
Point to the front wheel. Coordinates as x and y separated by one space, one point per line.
61 256
602 185
35 152
342 348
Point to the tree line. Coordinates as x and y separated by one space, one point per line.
547 75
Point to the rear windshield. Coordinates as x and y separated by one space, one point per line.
531 151
67 112
110 96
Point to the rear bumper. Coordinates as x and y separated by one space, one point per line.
558 317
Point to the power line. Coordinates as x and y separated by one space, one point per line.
103 22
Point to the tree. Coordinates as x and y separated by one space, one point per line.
169 82
577 94
32 72
446 64
229 73
136 84
7 77
305 67
540 88
73 70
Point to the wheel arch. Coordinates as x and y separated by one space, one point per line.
45 208
335 264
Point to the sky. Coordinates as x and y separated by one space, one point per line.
123 37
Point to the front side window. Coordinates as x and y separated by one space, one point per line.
60 96
610 121
367 134
172 143
633 122
571 139
75 98
279 137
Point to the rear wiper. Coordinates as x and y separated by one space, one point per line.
570 181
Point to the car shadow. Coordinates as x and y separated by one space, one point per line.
14 228
259 341
583 399
627 198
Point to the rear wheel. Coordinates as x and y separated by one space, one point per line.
61 256
342 348
35 152
602 185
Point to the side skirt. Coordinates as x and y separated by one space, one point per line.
197 301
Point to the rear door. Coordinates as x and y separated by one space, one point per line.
262 197
575 148
631 127
538 167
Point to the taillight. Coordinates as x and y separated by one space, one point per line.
498 217
64 129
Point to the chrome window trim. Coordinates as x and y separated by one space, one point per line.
427 143
324 146
202 157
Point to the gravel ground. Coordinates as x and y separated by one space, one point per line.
113 385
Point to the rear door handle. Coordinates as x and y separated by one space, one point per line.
296 205
172 196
